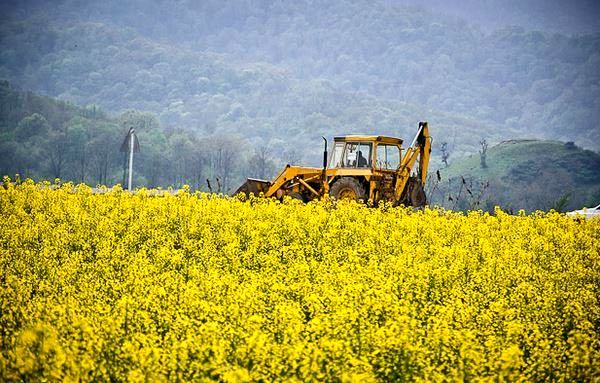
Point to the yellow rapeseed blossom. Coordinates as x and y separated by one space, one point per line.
139 287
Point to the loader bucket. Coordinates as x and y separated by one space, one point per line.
253 185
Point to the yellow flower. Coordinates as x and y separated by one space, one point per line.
151 286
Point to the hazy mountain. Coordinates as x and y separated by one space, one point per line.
545 85
278 75
569 17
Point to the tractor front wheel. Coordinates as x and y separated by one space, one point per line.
348 188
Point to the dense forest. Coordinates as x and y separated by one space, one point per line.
269 66
272 77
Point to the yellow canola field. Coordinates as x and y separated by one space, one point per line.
193 287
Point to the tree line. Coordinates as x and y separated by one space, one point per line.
42 138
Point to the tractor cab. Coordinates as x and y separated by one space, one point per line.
370 152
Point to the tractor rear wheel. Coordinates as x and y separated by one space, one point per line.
417 195
414 194
348 188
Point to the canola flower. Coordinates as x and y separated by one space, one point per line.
195 287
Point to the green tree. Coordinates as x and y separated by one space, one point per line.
30 126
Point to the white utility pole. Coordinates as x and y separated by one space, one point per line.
131 149
129 145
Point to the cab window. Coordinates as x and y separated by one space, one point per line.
351 155
388 156
357 155
336 160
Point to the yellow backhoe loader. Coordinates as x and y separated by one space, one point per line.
360 168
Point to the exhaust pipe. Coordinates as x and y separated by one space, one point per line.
324 153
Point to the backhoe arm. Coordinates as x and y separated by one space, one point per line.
419 149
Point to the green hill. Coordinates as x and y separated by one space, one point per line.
521 174
44 138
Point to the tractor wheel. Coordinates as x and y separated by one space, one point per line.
415 193
348 188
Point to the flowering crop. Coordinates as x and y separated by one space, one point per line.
193 287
